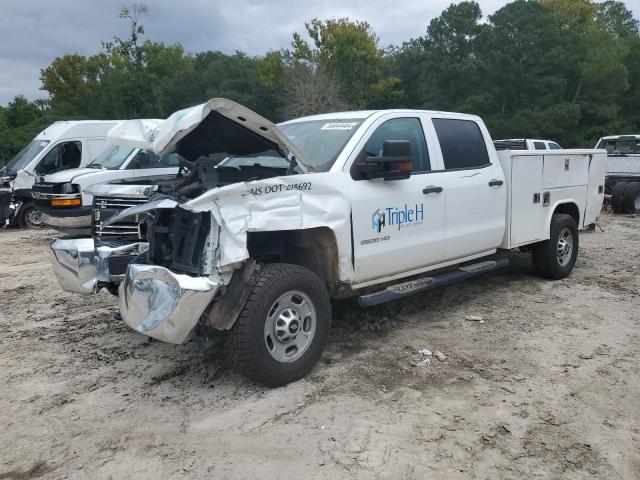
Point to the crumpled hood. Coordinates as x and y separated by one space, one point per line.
136 133
217 126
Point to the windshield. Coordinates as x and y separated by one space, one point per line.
25 155
111 157
627 146
321 141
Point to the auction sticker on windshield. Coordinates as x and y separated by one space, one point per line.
339 126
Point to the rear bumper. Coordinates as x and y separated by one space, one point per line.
162 304
80 265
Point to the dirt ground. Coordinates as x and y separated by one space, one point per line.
547 386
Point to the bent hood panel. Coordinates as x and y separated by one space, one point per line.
282 203
219 125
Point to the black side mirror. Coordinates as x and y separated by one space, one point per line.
394 164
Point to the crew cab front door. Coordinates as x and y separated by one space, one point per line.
398 225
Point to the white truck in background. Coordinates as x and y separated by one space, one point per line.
622 183
61 146
525 144
273 222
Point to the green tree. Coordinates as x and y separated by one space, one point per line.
345 52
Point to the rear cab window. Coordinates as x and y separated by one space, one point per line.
462 144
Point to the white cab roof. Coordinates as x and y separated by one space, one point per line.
369 113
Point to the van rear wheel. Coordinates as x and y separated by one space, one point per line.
556 257
284 326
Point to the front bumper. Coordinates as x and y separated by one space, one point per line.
7 207
80 265
162 304
76 225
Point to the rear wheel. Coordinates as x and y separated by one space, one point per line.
617 195
556 257
29 216
631 198
284 325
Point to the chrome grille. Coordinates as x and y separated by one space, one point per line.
106 207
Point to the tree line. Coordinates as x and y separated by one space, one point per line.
568 70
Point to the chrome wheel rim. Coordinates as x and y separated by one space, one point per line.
564 248
34 218
290 326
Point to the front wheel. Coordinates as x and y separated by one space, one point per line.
29 216
284 326
556 257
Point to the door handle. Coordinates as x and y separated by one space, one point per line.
431 189
495 183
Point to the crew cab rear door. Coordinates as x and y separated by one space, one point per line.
474 186
398 225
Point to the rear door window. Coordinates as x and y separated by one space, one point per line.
462 143
539 146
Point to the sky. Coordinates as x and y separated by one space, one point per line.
34 32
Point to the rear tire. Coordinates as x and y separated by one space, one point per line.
284 326
556 257
631 198
617 195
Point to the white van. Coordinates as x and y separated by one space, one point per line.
60 146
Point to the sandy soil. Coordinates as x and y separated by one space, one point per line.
546 387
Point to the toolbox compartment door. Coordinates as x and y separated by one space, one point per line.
527 215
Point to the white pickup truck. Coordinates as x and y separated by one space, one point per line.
275 221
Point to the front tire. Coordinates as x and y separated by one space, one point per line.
556 257
284 326
29 216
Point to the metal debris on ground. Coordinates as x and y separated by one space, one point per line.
474 318
440 356
425 353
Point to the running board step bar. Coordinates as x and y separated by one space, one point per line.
401 290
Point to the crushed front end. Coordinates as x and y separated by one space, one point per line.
166 298
84 265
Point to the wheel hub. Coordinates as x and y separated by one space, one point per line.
564 247
34 218
287 325
290 326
